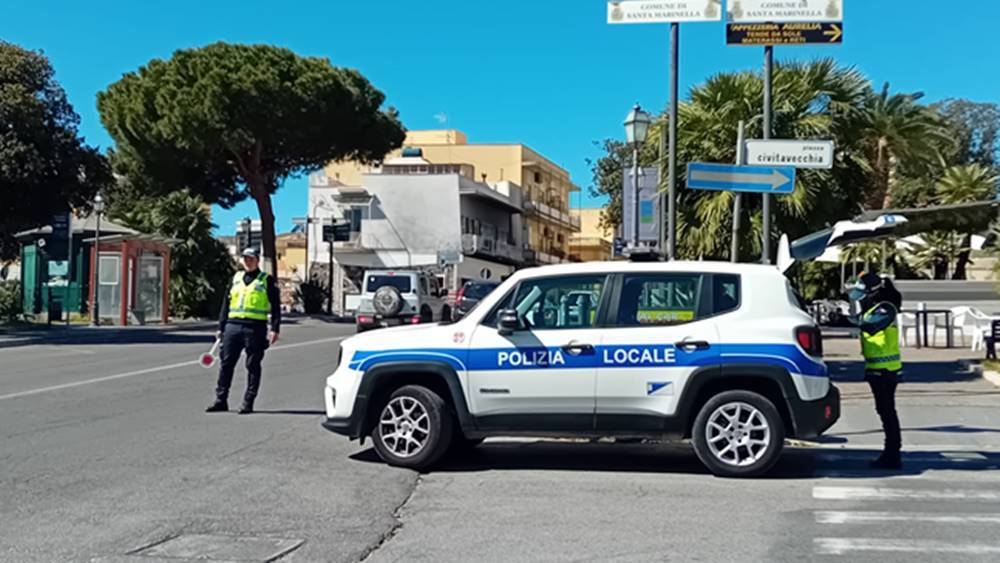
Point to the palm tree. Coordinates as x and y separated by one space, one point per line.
965 184
809 101
895 129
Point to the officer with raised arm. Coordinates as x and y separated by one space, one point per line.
879 306
243 325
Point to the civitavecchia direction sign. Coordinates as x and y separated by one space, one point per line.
790 152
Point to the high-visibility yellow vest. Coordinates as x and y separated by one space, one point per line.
881 350
249 301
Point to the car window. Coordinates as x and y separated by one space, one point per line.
725 293
794 298
562 302
375 281
474 290
659 299
423 286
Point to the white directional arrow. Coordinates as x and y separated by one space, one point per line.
776 179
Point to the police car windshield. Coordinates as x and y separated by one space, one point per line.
402 283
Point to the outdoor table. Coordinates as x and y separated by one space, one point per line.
922 315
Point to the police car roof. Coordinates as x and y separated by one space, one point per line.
626 266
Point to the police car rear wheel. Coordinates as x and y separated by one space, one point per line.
738 434
414 428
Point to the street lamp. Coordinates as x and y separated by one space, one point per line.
309 221
98 209
636 127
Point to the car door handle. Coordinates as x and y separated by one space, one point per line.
576 348
689 345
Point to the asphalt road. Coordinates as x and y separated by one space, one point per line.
105 454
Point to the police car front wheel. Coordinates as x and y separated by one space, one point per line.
738 434
413 429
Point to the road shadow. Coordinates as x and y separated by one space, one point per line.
295 412
853 371
944 429
795 463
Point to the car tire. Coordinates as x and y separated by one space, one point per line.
426 316
738 434
413 428
446 314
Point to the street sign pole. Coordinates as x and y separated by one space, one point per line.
672 164
734 253
635 195
329 302
765 253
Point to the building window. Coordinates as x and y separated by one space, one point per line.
538 177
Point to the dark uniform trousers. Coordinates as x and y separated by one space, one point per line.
883 385
237 337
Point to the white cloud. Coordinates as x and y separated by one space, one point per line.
441 117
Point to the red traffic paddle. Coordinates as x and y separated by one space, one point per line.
207 360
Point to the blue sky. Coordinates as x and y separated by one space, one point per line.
548 73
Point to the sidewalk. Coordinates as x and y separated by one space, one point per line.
27 334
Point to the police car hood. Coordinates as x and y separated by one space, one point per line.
398 337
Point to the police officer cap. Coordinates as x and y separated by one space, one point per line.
252 252
868 283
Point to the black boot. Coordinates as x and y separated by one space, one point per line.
246 407
887 461
218 406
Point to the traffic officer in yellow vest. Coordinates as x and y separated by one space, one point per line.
879 306
243 325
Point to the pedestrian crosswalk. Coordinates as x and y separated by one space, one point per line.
932 520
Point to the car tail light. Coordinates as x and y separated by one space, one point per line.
461 294
415 320
364 319
810 339
828 412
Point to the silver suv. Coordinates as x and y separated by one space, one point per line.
398 297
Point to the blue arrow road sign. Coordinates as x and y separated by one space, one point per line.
763 179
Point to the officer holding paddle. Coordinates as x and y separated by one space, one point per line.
243 326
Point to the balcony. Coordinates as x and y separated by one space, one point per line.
492 248
553 214
541 257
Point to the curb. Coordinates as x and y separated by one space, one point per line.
25 341
992 376
88 335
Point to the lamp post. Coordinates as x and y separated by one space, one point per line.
636 127
98 209
247 224
309 221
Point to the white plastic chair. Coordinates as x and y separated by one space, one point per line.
957 324
907 321
980 324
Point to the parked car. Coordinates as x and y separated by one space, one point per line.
471 293
398 297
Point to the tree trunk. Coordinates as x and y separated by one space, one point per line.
964 259
262 196
940 269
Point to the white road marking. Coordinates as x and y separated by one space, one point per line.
964 456
151 370
881 493
841 546
849 517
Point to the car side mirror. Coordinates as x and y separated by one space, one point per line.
443 292
507 322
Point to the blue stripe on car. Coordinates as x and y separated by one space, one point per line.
787 356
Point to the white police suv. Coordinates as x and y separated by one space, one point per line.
720 353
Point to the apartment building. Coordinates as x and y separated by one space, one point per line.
592 242
545 187
413 213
